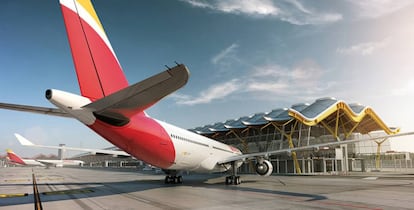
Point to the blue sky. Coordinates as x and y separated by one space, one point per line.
244 57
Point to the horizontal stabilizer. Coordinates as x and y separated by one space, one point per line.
35 109
138 97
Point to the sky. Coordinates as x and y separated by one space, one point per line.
244 56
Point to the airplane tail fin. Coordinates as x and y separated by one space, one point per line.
97 67
23 141
14 158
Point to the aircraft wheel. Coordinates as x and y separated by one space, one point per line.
170 180
229 180
179 179
237 180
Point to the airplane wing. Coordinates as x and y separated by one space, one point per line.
310 147
35 109
25 142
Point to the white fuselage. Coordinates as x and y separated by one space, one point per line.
194 152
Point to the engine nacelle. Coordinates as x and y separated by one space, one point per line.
265 168
72 104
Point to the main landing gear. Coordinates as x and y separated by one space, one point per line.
233 179
173 179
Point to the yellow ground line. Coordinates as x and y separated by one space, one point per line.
37 201
12 195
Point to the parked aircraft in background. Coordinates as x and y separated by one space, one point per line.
14 158
25 142
116 110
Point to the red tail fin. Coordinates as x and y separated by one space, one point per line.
14 158
97 67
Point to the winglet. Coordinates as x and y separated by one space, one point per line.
23 141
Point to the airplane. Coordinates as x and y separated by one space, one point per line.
116 110
25 142
14 158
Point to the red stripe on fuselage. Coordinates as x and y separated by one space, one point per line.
99 73
143 138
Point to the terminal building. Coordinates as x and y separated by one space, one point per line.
324 120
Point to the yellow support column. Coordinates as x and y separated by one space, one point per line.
378 155
290 142
245 149
294 157
244 143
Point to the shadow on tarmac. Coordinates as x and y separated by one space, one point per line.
78 190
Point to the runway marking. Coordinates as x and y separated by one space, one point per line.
354 206
68 192
281 182
12 195
37 202
17 180
371 178
50 179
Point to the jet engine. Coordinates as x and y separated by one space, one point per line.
265 168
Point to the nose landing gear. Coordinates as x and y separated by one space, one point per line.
233 179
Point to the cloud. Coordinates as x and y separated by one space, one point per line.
227 53
366 48
378 8
197 3
292 11
304 78
248 7
214 92
405 89
255 7
296 13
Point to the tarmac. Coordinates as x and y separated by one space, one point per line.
87 188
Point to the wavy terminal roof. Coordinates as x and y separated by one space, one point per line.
326 111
